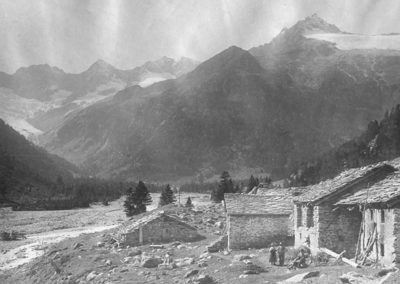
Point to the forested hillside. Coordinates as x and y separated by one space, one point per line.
25 168
380 141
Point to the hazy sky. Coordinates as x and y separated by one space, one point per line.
72 34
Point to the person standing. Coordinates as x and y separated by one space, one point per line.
272 254
281 254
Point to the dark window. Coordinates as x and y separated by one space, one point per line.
382 216
371 212
310 216
299 213
382 250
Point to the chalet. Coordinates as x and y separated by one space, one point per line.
327 215
254 221
156 227
379 235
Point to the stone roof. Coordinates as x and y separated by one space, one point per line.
276 191
156 214
342 182
382 191
252 204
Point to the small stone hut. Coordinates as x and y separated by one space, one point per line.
254 221
156 227
320 220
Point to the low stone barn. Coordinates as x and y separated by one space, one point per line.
156 227
379 236
254 221
319 220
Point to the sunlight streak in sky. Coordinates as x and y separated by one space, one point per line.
72 34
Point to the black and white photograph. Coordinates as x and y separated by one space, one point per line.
200 141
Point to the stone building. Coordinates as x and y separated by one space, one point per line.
379 236
254 221
156 227
320 220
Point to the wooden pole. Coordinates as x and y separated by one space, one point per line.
359 234
337 256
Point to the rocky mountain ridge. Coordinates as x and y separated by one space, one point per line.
39 97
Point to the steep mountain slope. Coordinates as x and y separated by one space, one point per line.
37 98
26 169
379 142
268 107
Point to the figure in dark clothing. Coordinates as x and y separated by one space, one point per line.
281 254
272 254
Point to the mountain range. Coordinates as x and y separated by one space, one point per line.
267 107
37 98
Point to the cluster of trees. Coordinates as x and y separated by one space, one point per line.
68 195
198 187
137 200
255 181
226 185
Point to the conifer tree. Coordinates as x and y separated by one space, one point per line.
189 203
167 196
137 200
129 203
225 185
143 197
252 183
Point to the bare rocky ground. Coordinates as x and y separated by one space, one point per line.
95 258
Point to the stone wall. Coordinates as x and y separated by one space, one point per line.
302 231
161 230
257 231
336 230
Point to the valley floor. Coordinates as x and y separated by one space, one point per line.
66 253
44 228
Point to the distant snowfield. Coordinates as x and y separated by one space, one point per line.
357 41
152 78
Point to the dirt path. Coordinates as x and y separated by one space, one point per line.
39 242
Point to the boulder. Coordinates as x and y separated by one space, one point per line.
76 245
157 246
204 255
92 275
219 225
204 279
191 273
241 257
357 278
127 259
300 277
180 262
151 262
135 252
251 272
202 264
165 266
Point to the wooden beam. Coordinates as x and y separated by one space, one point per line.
336 255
